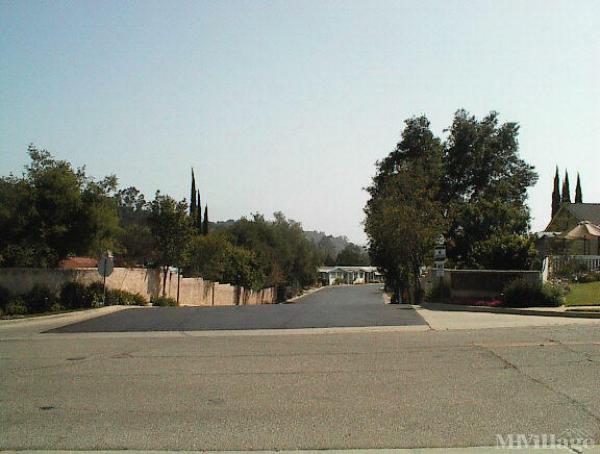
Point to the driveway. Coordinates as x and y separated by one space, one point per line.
351 306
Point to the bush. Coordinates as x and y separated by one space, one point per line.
438 291
525 293
4 297
57 307
16 306
39 299
95 294
163 301
586 278
138 299
74 295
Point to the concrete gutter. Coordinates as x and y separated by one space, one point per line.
581 312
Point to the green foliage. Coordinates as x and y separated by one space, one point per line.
4 297
338 281
95 294
170 227
471 188
163 301
587 277
39 299
53 211
439 291
74 295
351 255
280 253
16 306
527 293
124 298
505 252
404 215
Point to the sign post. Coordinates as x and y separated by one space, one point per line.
439 257
105 268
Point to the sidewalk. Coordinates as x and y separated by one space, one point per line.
562 311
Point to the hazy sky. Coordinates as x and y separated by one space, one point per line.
286 105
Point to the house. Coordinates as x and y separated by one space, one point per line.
569 216
330 275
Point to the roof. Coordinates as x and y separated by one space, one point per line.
585 211
577 212
329 269
78 262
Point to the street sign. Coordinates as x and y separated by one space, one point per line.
106 265
439 269
105 268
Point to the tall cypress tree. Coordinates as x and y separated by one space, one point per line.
578 195
193 206
205 223
566 192
198 220
556 194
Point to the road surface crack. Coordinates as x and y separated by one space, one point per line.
571 400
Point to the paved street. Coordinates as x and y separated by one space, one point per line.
330 307
298 389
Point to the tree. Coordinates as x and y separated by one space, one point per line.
205 222
566 191
53 211
193 206
353 255
198 220
578 194
171 230
403 215
485 186
472 188
555 194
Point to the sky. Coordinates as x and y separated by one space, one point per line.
287 105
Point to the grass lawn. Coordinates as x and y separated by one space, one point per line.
584 294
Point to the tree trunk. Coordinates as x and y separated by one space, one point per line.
164 289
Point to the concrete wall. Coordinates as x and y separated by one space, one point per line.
484 284
148 282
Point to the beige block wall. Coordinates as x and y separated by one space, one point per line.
148 282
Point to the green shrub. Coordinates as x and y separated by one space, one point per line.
586 278
4 297
39 299
137 299
526 293
95 294
57 307
438 291
163 301
74 295
16 306
553 294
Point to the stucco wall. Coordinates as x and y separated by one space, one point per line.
148 282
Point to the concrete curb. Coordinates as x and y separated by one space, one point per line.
512 310
79 315
308 292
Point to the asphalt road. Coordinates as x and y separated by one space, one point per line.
388 387
217 391
331 307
